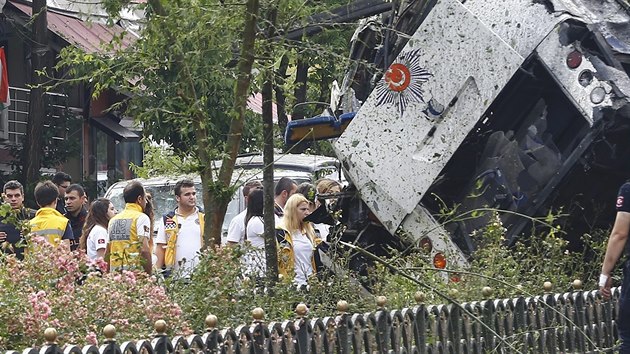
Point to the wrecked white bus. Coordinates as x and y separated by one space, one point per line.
522 103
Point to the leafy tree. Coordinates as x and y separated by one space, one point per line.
182 88
188 77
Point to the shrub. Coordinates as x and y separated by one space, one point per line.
53 287
218 287
520 270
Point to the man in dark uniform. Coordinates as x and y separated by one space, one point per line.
13 193
285 188
62 180
75 200
616 246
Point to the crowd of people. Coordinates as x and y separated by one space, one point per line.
170 243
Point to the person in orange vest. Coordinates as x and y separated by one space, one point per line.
180 233
48 222
130 233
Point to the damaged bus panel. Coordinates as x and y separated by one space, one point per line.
520 106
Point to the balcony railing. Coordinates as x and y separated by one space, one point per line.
14 120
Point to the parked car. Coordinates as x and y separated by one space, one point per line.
301 168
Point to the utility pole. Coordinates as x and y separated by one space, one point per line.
32 151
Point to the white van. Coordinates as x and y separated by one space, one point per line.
300 168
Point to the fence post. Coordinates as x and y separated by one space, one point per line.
488 317
161 344
51 347
579 313
418 325
382 325
211 340
258 331
343 332
109 344
455 326
303 334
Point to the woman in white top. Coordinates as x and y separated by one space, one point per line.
94 237
254 234
296 241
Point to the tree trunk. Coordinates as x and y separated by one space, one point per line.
281 76
324 92
216 191
32 153
241 93
271 250
301 76
271 247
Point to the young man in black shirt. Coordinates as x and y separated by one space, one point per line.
62 180
75 200
13 193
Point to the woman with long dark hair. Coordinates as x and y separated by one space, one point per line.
254 234
94 237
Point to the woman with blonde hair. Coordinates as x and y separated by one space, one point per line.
296 241
94 238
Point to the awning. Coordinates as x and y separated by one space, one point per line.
111 127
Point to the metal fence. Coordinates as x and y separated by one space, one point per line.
575 322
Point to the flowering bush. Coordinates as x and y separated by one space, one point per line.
53 287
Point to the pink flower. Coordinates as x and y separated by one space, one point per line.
91 338
130 277
98 263
176 311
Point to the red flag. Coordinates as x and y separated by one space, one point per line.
4 82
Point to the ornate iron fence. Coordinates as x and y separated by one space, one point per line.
575 322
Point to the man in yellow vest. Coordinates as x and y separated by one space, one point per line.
48 222
130 232
180 233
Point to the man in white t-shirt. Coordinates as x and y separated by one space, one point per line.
236 229
180 233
